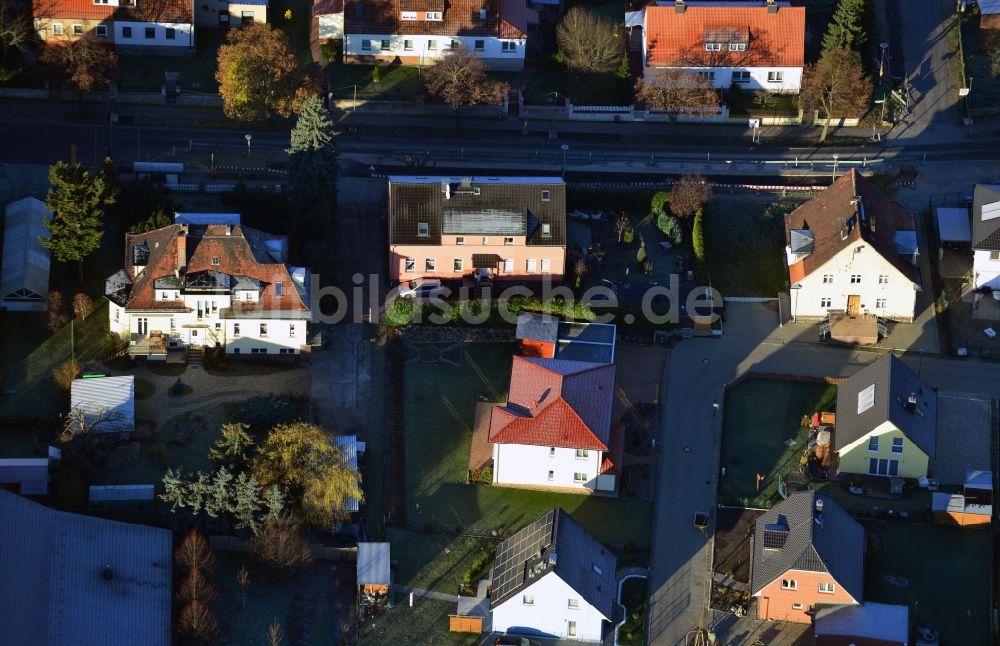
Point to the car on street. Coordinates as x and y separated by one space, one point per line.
515 640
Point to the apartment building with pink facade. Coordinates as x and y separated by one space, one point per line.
499 228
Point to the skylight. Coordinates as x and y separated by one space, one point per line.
866 399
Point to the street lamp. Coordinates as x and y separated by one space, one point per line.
565 148
248 137
835 158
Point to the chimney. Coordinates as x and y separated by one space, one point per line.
679 6
446 189
772 6
182 249
229 229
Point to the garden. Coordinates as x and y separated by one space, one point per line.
144 72
981 65
634 595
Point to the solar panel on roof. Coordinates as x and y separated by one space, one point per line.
866 399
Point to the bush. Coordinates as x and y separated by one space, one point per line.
479 568
698 246
330 51
400 313
280 543
65 373
629 236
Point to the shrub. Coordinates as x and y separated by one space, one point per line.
65 373
479 568
376 74
698 246
400 313
629 236
195 553
280 543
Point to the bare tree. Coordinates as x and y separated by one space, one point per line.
78 421
459 79
82 306
620 225
590 43
764 99
689 194
85 63
677 93
15 25
280 543
274 634
836 86
56 309
196 587
243 578
195 553
196 623
580 267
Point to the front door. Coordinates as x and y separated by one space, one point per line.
853 304
142 326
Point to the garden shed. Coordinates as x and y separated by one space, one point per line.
374 575
103 405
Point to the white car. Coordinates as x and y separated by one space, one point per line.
421 288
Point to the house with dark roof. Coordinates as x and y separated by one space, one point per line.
553 579
195 286
556 428
487 228
758 45
851 249
130 26
73 579
986 236
807 553
420 32
886 421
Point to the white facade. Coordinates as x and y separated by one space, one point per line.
986 268
136 34
551 606
544 466
219 13
857 270
331 25
496 53
772 79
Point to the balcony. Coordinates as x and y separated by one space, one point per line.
154 345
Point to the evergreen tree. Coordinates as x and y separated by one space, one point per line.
174 489
78 201
274 500
198 492
312 163
218 493
246 502
233 448
670 227
847 29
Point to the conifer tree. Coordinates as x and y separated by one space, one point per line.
78 201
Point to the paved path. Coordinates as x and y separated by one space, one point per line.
419 594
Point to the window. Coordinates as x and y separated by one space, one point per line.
486 241
57 29
279 288
101 1
775 77
101 30
994 255
171 33
263 329
855 279
552 451
508 47
897 445
573 604
546 263
883 467
164 296
218 326
581 454
797 606
408 45
459 239
827 588
873 443
236 329
789 584
459 264
579 477
366 44
880 303
410 264
571 629
546 230
215 261
150 33
432 45
552 475
480 45
422 229
409 15
713 47
286 351
827 279
236 350
386 45
825 302
883 280
741 76
508 266
432 15
430 265
508 241
77 30
455 44
248 20
482 14
708 76
528 600
292 330
546 196
530 265
737 47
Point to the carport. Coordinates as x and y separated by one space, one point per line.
954 226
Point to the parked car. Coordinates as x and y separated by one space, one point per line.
421 288
514 640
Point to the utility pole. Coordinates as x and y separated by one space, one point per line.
836 157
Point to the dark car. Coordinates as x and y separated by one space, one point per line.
514 640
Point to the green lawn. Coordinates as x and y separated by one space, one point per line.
425 624
549 84
744 245
634 595
396 82
779 105
953 597
439 409
434 561
760 416
144 72
297 28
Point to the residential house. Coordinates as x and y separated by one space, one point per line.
72 579
502 228
130 26
219 13
870 624
758 45
852 249
807 552
886 421
209 285
420 33
103 405
25 476
24 275
553 578
555 429
986 236
328 16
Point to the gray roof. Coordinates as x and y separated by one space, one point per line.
373 564
797 540
53 590
894 383
594 342
348 447
986 232
537 327
555 543
476 206
107 402
879 622
30 474
25 271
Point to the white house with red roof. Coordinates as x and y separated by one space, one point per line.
758 44
556 428
143 26
209 285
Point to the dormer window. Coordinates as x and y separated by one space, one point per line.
546 196
432 15
713 47
422 229
546 230
737 47
279 288
409 15
482 14
215 261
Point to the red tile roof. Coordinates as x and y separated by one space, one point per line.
556 403
612 462
179 11
504 18
241 253
678 39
